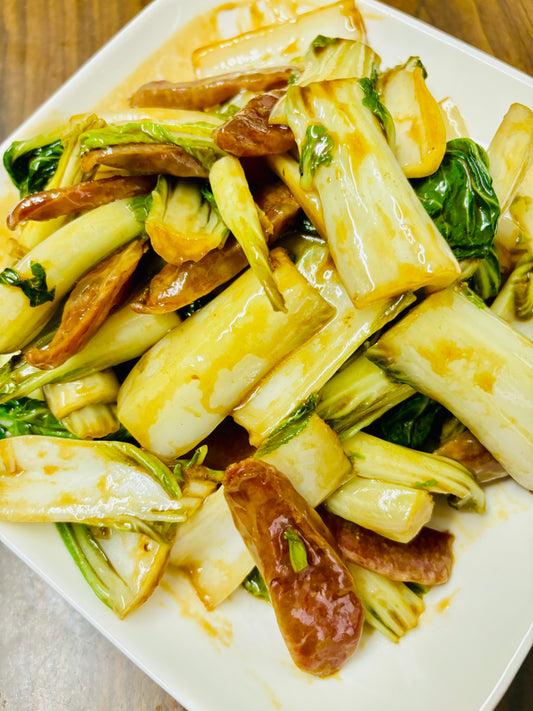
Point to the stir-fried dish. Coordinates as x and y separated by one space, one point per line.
255 327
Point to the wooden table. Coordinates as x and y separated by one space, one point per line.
51 659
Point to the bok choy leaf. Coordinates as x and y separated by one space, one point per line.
461 200
122 568
31 163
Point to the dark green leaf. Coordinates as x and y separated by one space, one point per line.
255 585
34 288
373 103
460 199
323 41
414 423
27 416
297 550
317 150
289 428
487 279
31 166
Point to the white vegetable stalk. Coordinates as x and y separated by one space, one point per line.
521 211
65 255
390 607
511 153
420 131
392 510
122 568
374 458
514 303
381 239
181 224
279 44
358 395
454 122
307 368
123 336
511 158
208 545
97 388
194 377
286 168
92 421
230 189
455 350
61 480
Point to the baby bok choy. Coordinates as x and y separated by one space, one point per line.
123 568
109 483
453 349
369 207
375 458
170 409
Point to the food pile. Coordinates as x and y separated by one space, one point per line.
257 326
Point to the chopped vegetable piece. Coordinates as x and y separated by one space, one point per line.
454 350
168 409
368 205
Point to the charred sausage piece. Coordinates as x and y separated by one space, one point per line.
468 451
205 93
47 204
427 559
176 286
316 604
88 305
248 132
147 158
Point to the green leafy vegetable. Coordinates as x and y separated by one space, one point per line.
487 279
255 585
414 423
374 104
461 200
126 452
522 281
25 416
323 41
317 150
30 164
289 428
427 484
297 550
34 288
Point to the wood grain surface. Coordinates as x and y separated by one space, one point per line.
51 659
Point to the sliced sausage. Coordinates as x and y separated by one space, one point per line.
317 606
427 559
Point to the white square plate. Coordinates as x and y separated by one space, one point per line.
476 630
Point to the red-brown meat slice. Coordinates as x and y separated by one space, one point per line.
147 158
88 305
202 94
47 204
248 133
427 559
316 603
